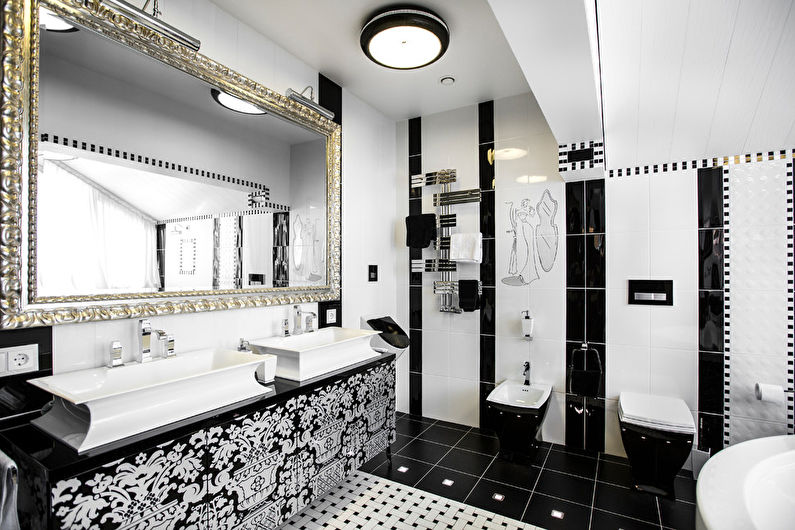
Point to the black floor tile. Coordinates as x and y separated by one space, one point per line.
615 474
608 521
566 516
457 490
626 502
423 450
570 463
485 432
567 487
521 475
479 443
466 461
513 500
374 462
421 419
414 470
409 427
400 442
685 489
574 451
678 515
442 435
614 458
451 425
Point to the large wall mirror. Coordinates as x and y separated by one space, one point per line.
153 180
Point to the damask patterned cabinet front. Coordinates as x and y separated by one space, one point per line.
253 471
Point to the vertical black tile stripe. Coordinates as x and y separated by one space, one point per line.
329 95
585 313
487 268
415 278
790 297
713 300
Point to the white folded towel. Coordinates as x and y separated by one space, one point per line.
466 247
8 493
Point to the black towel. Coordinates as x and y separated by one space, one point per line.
468 297
420 230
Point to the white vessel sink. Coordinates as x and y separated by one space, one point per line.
101 405
516 394
312 354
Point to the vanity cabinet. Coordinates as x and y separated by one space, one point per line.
252 471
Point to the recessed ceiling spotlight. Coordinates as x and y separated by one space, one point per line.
52 22
404 37
531 179
234 103
447 80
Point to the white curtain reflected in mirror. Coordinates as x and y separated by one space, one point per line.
115 244
298 244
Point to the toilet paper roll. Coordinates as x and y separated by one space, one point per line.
769 393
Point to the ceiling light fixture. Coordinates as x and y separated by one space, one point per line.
404 37
153 23
234 103
52 22
447 80
309 101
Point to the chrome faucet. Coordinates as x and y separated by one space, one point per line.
310 321
297 324
115 355
144 353
165 343
526 373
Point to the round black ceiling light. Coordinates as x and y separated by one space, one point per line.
404 37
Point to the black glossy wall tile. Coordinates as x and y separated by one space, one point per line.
595 248
575 424
588 381
487 311
415 136
575 208
575 261
415 350
595 206
415 307
487 266
415 393
486 170
486 420
710 321
415 168
486 122
575 315
710 259
329 95
487 214
487 357
710 432
710 197
710 382
415 206
594 424
595 315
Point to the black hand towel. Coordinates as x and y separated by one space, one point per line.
420 230
468 297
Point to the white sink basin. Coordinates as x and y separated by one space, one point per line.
749 485
102 405
312 354
516 394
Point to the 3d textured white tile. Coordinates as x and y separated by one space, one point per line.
758 194
759 257
746 371
742 429
759 322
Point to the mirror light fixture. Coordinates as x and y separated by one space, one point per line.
309 101
404 37
234 103
52 22
153 23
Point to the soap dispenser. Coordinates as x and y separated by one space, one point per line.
528 325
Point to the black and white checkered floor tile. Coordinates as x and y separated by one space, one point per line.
366 501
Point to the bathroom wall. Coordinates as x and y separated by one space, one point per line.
364 168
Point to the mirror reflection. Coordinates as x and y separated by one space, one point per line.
150 180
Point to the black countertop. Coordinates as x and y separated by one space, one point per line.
61 460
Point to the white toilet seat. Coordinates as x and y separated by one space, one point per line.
656 412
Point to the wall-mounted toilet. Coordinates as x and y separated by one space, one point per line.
658 434
516 413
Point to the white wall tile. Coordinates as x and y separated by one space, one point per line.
629 325
435 396
746 371
674 373
627 204
464 402
673 200
511 301
628 258
743 429
676 326
548 363
548 309
435 353
75 348
553 430
758 194
758 322
510 356
627 370
448 142
674 257
464 356
613 442
758 257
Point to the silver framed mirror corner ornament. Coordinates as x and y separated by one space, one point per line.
20 307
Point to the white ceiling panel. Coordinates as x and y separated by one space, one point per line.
620 26
755 39
709 31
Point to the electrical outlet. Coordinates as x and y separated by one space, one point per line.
21 359
331 316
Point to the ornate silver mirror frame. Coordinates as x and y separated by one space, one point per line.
19 306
